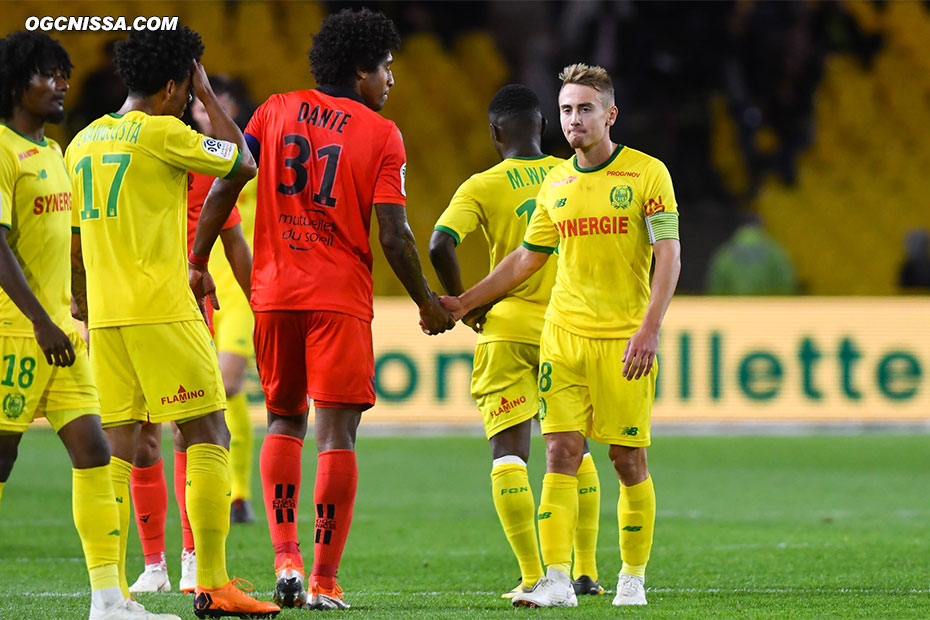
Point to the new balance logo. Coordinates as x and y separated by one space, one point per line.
144 518
632 528
284 504
325 524
113 533
119 500
630 430
544 515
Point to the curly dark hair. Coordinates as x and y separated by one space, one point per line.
351 40
148 59
22 55
513 100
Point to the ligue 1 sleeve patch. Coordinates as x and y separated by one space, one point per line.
219 148
403 180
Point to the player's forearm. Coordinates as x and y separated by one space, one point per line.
445 262
13 282
664 282
78 277
400 250
239 257
513 270
216 209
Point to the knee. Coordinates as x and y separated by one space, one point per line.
232 387
292 426
148 450
563 456
630 464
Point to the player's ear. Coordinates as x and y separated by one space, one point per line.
543 126
612 115
495 133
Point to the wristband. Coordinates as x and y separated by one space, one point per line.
197 259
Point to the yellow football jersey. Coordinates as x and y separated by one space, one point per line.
35 204
501 201
129 181
604 221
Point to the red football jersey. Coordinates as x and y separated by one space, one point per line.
324 159
198 186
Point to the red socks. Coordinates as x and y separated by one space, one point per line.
180 493
150 498
334 496
280 469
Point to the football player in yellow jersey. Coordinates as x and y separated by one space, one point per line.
501 201
45 368
609 210
150 347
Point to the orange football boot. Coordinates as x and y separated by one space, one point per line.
321 598
231 600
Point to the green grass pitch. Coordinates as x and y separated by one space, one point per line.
748 527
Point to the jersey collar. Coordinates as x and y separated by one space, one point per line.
44 141
602 166
340 91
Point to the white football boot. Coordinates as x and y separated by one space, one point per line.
630 591
126 609
153 579
188 572
553 590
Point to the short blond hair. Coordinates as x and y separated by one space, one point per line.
593 76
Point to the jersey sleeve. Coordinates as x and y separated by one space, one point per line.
190 150
8 173
660 209
391 184
541 234
463 214
254 130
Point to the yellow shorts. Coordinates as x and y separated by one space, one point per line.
504 384
581 388
156 373
30 387
232 326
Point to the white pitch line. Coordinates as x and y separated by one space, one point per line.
495 593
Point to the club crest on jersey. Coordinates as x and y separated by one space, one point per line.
218 148
14 405
621 196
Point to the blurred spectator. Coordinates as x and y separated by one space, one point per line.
915 272
101 92
751 263
233 95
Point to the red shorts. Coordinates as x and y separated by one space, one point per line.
325 355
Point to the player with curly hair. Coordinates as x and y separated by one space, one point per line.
326 159
44 356
150 347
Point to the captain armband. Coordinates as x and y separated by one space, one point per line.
662 226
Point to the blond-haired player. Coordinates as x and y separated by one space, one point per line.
500 201
609 209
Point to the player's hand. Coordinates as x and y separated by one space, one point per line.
201 82
454 306
477 317
201 283
54 343
640 353
434 317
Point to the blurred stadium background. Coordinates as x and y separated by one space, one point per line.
797 146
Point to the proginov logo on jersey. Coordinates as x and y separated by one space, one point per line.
182 396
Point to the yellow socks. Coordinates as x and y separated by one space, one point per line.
97 520
208 510
120 472
513 499
240 445
558 515
636 513
589 512
1 489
